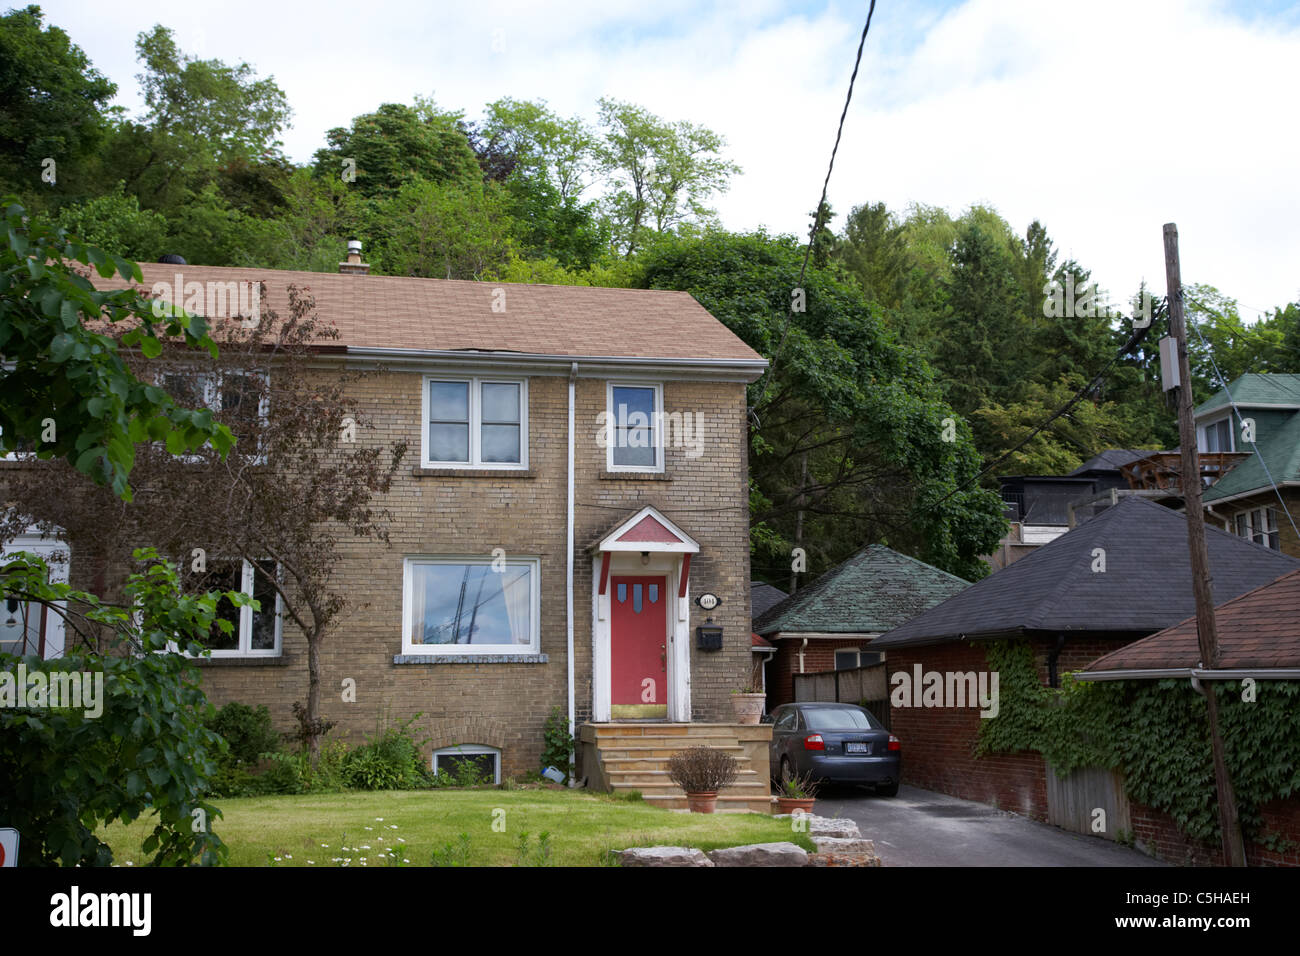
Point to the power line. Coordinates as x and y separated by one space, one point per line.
821 204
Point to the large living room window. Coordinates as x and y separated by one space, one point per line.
634 433
471 606
475 423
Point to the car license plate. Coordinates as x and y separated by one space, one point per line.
857 748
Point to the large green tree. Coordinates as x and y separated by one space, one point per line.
886 458
52 102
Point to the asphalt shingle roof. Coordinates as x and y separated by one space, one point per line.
1112 459
1147 584
763 596
1258 629
1256 388
873 591
440 314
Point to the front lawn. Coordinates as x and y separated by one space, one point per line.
312 830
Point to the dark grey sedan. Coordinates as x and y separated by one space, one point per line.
837 743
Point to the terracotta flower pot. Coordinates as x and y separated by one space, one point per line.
748 707
703 802
791 804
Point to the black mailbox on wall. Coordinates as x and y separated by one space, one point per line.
708 637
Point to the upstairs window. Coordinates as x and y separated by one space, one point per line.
1258 525
634 433
1218 436
476 423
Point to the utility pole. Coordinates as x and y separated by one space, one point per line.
798 520
1206 631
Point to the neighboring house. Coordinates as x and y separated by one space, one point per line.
831 624
533 564
1040 508
1113 580
1244 501
761 597
1258 638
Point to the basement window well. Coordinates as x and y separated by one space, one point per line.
465 759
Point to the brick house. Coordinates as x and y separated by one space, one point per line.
1113 580
832 623
576 475
1258 638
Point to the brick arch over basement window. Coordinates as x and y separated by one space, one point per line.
464 731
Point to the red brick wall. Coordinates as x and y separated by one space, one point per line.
939 743
1156 833
819 655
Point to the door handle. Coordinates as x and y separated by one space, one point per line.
663 654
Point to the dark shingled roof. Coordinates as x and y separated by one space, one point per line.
871 592
1112 459
763 596
1259 629
1147 585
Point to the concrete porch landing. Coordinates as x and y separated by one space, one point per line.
633 755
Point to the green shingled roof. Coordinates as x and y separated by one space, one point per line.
874 591
1256 388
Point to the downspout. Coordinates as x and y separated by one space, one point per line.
1053 656
568 583
802 647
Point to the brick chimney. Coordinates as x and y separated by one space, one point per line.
354 266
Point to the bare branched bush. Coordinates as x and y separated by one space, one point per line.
702 769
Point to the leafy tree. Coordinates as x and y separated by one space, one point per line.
200 114
978 343
51 100
1065 443
65 386
290 491
397 145
660 174
115 223
543 144
69 771
862 410
874 251
448 231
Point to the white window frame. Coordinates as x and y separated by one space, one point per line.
475 383
468 749
656 423
1260 521
411 562
1205 435
57 556
245 635
210 380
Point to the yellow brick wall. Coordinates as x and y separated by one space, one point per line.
505 704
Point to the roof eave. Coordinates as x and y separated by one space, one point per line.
1200 673
589 366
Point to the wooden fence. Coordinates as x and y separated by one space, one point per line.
859 685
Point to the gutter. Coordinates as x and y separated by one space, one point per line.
595 365
568 582
1247 494
1193 673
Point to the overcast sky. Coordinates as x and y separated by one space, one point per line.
1104 120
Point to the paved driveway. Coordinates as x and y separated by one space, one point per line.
923 828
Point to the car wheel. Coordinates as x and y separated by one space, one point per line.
787 771
888 789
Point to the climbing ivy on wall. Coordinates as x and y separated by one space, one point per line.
1156 733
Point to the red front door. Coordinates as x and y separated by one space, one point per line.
639 645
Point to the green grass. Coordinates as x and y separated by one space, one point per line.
583 828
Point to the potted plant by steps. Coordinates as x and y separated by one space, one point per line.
748 703
701 772
797 793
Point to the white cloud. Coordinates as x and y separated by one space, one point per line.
1103 120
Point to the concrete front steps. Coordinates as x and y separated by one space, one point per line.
633 755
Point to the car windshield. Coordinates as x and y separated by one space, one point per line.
835 718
